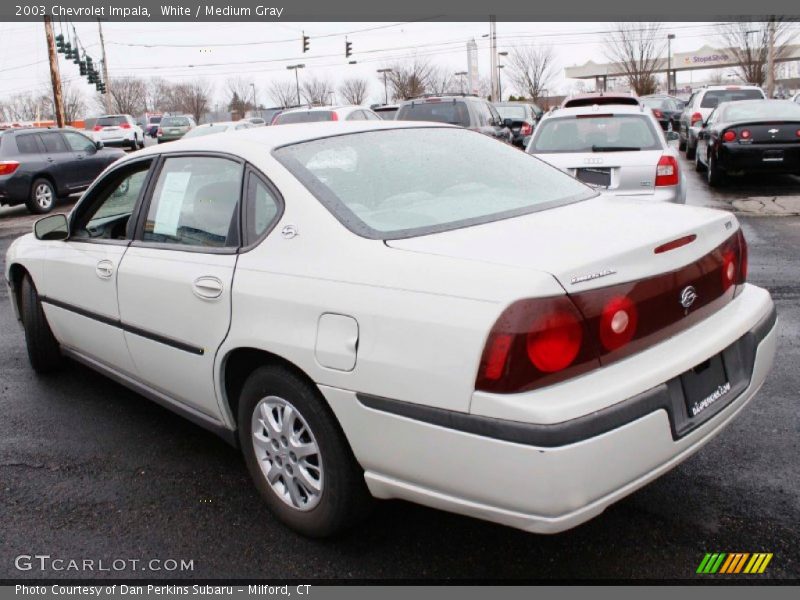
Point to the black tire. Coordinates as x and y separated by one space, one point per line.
715 176
44 352
133 144
691 150
42 197
344 499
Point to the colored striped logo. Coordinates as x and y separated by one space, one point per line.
734 562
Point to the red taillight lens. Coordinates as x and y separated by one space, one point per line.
696 117
125 126
667 171
526 129
745 134
797 133
159 132
97 128
729 136
657 113
8 166
535 342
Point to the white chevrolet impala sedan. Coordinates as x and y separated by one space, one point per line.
403 310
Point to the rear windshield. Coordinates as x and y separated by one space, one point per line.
307 116
595 133
660 103
511 112
714 97
388 114
210 129
174 122
448 111
154 120
111 121
397 183
774 111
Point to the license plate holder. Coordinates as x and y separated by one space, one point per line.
772 156
597 177
705 385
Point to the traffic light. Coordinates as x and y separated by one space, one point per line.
348 49
305 43
60 43
76 56
82 67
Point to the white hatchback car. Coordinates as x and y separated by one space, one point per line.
365 312
617 148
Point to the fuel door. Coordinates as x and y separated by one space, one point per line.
337 342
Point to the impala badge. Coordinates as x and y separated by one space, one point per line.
688 296
591 276
773 131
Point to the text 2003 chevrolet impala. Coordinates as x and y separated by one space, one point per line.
403 310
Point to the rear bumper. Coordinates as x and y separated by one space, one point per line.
14 189
548 476
760 158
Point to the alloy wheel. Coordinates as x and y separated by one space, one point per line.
287 452
44 195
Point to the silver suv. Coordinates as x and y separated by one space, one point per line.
700 105
618 149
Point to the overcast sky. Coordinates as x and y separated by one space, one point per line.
175 46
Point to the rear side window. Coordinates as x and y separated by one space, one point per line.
712 98
263 209
53 142
195 203
600 133
446 111
310 116
28 144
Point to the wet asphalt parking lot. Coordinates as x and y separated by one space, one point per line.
91 470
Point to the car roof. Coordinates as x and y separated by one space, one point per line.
572 111
270 138
592 98
323 108
450 96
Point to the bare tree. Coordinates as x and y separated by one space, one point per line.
25 106
316 90
354 90
72 98
196 98
748 42
410 79
531 69
127 95
442 81
157 94
637 48
283 93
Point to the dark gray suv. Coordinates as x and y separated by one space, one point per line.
467 111
38 166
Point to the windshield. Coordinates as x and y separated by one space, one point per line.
595 133
174 122
512 112
398 183
207 130
447 111
304 116
715 97
774 111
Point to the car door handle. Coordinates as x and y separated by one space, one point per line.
80 157
207 287
104 269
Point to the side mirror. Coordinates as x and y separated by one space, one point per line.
52 227
98 144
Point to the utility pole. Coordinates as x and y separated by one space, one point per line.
58 101
105 67
670 37
493 51
771 59
385 88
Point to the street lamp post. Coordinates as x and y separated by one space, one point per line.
385 88
670 37
499 80
296 78
461 75
255 104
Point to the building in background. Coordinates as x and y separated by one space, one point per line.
472 67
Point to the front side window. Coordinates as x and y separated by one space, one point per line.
111 204
403 182
78 142
595 133
195 203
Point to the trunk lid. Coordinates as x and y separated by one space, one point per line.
586 245
769 132
629 173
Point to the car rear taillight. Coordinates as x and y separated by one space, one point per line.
97 128
667 171
8 166
159 132
729 136
526 129
334 116
696 117
541 341
125 126
657 113
745 134
535 342
797 133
